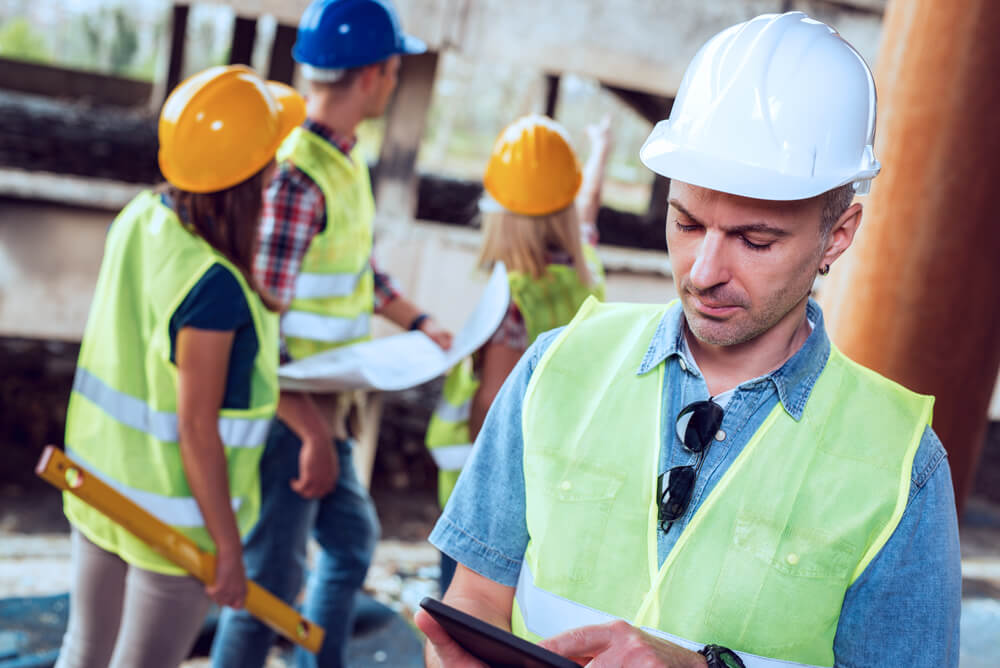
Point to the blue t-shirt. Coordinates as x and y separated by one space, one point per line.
216 302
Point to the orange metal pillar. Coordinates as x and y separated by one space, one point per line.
918 296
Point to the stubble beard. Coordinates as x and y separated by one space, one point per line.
746 325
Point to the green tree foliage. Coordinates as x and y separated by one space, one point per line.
22 41
124 44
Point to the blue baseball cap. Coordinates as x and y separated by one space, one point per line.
340 34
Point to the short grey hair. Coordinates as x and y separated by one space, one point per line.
320 74
835 203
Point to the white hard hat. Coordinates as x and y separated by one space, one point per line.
779 107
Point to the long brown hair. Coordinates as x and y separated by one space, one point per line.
229 220
523 242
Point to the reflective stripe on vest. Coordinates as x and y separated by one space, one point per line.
329 329
546 614
179 511
318 286
451 457
334 291
161 425
451 413
768 571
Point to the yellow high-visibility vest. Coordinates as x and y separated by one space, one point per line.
122 418
334 290
763 566
545 303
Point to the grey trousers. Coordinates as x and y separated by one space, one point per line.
126 617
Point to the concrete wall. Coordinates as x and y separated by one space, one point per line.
50 255
637 44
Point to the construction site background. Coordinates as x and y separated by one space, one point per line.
80 83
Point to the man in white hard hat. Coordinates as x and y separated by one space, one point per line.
711 482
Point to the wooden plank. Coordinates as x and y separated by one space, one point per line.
551 94
396 185
178 30
427 19
657 210
244 36
61 82
282 66
654 108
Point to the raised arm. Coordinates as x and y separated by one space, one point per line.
588 200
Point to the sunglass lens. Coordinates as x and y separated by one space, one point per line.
703 425
677 493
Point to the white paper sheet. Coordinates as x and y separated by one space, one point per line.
403 360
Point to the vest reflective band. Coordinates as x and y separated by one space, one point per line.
545 303
181 511
766 560
334 291
122 420
325 329
545 614
448 437
161 425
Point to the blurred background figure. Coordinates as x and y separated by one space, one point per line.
177 384
538 221
316 258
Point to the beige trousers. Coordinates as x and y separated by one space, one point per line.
126 617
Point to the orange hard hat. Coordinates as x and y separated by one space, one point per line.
533 169
223 125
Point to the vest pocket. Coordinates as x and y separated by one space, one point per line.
780 587
568 506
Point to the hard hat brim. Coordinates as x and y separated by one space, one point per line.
697 168
413 45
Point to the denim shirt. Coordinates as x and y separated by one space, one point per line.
902 611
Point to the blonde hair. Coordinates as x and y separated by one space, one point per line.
523 242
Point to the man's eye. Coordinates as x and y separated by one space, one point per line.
757 247
686 228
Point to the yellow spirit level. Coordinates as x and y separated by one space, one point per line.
62 472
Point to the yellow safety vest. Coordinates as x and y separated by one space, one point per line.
122 417
334 290
765 562
545 303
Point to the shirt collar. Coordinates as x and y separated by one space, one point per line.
793 380
342 142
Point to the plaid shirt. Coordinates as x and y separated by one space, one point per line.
294 212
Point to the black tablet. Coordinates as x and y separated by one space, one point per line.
491 645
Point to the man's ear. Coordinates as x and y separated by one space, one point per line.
841 235
368 76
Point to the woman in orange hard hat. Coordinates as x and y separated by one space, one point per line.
532 223
176 383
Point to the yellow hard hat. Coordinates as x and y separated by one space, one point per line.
533 169
222 126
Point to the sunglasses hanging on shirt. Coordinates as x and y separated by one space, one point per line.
697 425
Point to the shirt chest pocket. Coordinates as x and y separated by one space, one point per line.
778 577
568 507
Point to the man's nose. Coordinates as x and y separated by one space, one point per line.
710 267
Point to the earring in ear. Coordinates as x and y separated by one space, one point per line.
825 270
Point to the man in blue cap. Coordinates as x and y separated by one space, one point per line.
315 257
